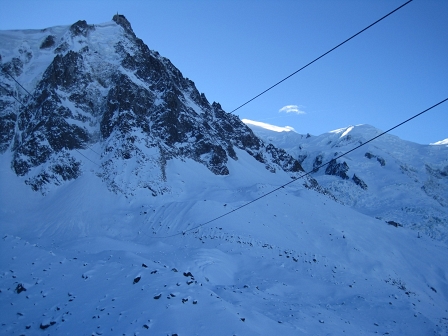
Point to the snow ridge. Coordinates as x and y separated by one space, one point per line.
389 178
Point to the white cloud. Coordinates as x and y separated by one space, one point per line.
292 109
268 126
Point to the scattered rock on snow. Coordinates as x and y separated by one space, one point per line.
20 288
188 274
393 223
44 326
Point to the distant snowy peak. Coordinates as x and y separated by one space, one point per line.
99 95
440 143
388 178
363 130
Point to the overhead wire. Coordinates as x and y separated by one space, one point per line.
87 157
324 54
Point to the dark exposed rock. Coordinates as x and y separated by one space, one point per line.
14 67
48 42
188 274
393 223
66 71
122 21
7 128
381 161
81 28
44 326
283 159
359 182
444 171
337 169
20 288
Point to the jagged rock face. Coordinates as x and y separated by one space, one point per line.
127 98
8 120
337 169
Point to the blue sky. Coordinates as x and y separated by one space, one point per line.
233 50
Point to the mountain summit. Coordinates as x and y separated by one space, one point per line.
98 94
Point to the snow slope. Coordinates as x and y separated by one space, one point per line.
83 260
396 180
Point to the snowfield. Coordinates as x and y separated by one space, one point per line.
83 260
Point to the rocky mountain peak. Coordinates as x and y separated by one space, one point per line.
122 21
133 105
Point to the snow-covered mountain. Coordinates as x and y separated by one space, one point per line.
391 179
98 93
130 205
